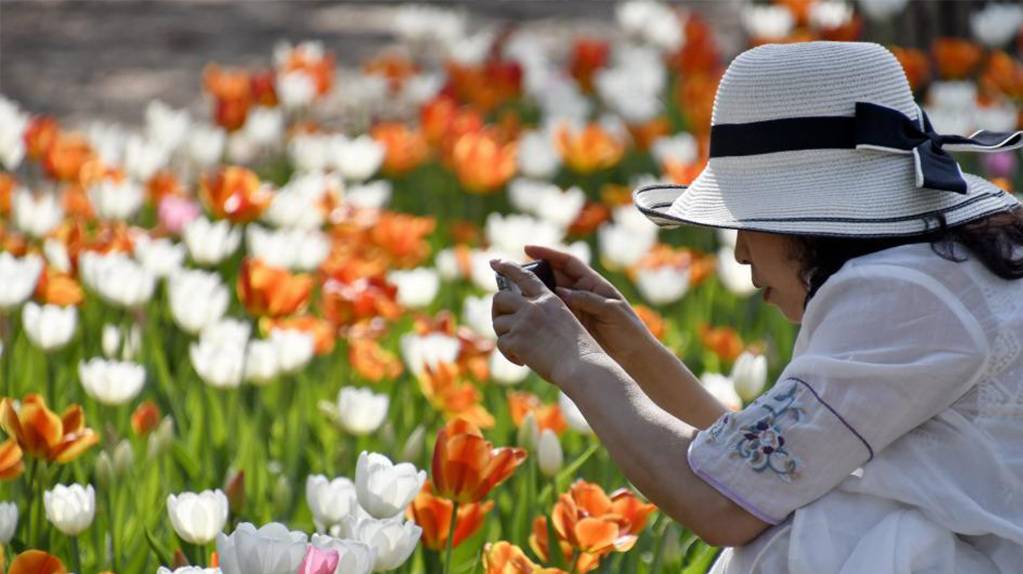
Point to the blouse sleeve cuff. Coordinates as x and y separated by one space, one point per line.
781 452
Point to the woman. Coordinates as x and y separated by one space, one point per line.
891 441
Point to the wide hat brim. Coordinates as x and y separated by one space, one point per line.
834 192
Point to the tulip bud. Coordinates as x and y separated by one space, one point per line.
385 489
70 509
413 448
8 521
234 487
529 430
124 458
281 497
673 549
145 418
549 454
104 470
749 374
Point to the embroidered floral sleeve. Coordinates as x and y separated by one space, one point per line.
862 375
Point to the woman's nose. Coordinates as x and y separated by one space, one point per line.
740 250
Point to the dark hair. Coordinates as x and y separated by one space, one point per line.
991 239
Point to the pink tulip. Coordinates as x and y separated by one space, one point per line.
177 212
319 561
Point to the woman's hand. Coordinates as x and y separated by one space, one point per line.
599 306
536 328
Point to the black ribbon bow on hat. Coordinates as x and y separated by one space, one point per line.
885 129
874 127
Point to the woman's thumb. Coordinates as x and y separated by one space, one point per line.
587 301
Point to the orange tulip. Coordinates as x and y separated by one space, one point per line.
373 362
395 67
699 53
345 303
145 418
956 57
64 159
433 514
40 134
11 465
322 331
590 217
232 95
319 67
548 417
645 134
443 121
589 150
915 64
163 184
724 342
234 193
485 86
403 237
448 391
41 433
1003 74
7 185
588 56
652 319
405 148
272 291
466 466
36 562
482 162
695 95
506 558
58 288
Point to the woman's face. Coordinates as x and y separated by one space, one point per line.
774 270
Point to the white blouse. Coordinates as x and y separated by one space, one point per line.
893 440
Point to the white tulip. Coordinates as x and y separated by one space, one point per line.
198 518
385 489
996 23
430 349
681 147
509 234
727 237
273 549
505 372
36 214
206 145
162 257
830 14
538 158
210 243
480 271
356 557
197 299
330 501
111 382
310 152
12 134
117 200
261 362
549 455
70 509
219 355
735 276
997 117
292 248
767 22
240 148
573 416
188 570
361 411
296 89
18 279
357 159
621 247
632 88
264 126
117 278
294 349
143 158
369 195
49 327
167 126
57 255
297 204
417 288
422 25
393 539
723 390
749 375
652 22
8 521
228 330
112 341
476 314
663 285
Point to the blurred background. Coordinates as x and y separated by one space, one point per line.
79 59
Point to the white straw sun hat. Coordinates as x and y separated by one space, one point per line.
824 138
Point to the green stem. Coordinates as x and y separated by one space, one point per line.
451 538
76 554
111 523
